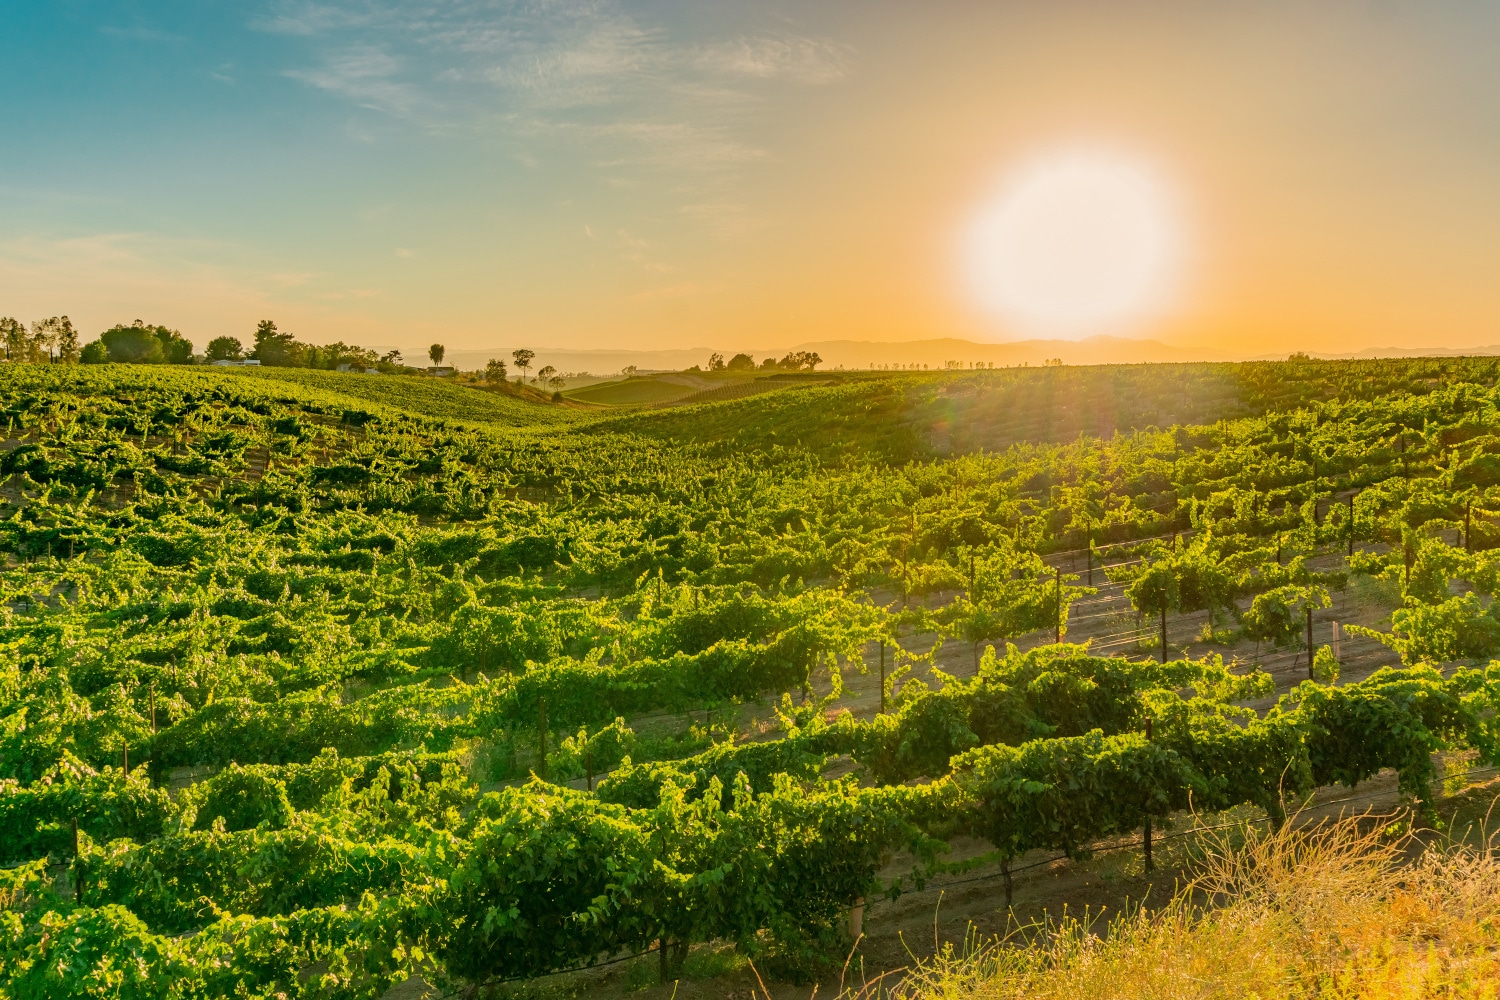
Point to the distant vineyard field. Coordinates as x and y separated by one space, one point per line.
429 397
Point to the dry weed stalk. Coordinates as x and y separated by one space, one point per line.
1338 910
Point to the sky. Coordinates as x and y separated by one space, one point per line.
661 175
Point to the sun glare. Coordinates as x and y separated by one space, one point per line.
1073 244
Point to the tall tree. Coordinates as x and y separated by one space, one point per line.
142 343
275 347
13 333
494 370
436 352
54 334
224 349
523 359
546 373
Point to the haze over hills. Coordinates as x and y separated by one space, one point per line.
935 353
1489 350
857 354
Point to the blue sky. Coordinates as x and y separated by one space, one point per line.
603 174
309 154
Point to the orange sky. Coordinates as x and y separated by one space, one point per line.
747 175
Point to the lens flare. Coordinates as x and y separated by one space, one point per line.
1076 243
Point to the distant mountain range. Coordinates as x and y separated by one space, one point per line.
860 354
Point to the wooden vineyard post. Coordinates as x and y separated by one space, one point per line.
1164 630
1309 643
1468 538
882 676
542 738
1009 885
1351 525
1150 863
1057 609
1088 555
857 918
1338 635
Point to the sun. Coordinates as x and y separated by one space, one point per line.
1074 243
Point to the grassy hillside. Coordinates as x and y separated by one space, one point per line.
918 416
428 397
631 392
663 387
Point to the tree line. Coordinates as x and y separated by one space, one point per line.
793 361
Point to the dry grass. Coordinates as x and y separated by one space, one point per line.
1340 911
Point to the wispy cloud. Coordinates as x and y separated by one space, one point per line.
792 57
367 75
677 144
587 80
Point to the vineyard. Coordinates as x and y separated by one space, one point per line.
311 683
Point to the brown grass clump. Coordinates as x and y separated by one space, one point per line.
1340 911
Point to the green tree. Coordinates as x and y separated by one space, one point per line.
741 362
141 343
175 349
800 360
38 347
224 349
131 345
274 347
494 371
523 359
436 352
546 373
13 333
331 356
94 353
56 334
